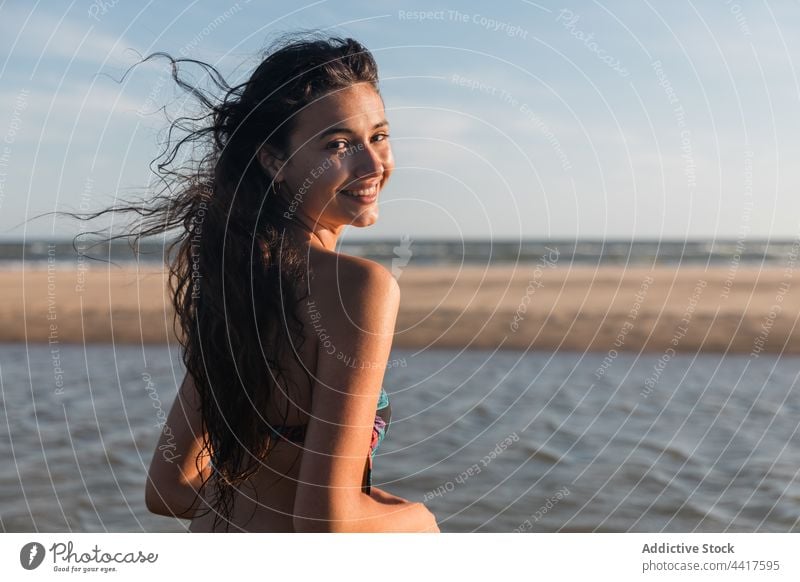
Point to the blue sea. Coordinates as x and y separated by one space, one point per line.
492 441
407 250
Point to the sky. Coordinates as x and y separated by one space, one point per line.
515 119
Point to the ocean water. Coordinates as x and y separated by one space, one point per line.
406 250
492 441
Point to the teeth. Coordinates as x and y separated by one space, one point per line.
362 193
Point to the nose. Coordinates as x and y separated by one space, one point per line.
369 163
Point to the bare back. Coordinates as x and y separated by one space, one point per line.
266 503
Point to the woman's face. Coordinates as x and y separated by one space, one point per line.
339 160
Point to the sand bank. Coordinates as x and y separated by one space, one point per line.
747 310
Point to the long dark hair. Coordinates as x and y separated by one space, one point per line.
234 275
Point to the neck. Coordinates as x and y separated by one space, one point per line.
307 231
318 237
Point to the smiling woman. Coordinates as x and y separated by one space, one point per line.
271 431
340 160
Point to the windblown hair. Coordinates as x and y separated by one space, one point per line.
235 278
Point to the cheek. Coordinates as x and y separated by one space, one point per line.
388 161
327 176
316 173
332 173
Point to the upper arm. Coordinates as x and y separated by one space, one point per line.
173 469
354 323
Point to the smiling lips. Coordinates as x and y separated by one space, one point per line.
363 195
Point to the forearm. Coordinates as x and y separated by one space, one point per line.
386 497
364 514
390 515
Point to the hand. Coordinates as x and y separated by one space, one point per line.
385 497
430 523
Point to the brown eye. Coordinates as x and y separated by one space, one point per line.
339 144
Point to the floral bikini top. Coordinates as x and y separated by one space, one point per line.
383 414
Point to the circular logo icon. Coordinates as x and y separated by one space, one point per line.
31 555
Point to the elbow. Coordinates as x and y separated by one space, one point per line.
155 502
155 506
158 502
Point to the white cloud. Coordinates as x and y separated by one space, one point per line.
50 118
42 34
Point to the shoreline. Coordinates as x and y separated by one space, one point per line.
519 307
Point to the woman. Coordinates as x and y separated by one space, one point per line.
285 341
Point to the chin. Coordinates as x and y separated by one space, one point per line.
363 223
368 218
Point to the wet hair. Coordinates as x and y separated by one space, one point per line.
234 275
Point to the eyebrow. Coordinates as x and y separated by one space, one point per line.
334 130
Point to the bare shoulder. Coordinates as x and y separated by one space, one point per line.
330 266
352 312
344 283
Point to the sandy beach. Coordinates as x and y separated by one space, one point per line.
524 307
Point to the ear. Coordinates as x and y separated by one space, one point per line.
271 161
